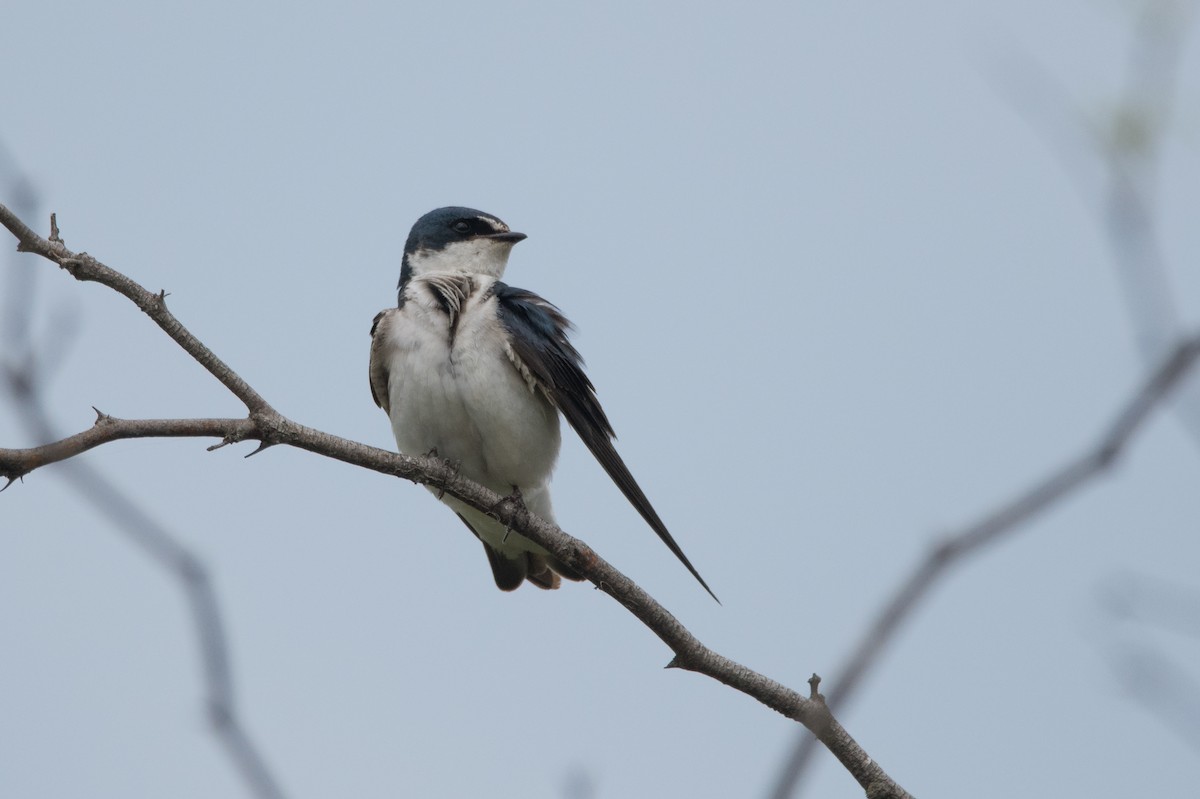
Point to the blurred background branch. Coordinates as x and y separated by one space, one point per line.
1010 517
28 366
1126 143
1113 160
1136 612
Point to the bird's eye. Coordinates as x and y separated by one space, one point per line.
462 227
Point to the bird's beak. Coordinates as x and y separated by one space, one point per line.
511 237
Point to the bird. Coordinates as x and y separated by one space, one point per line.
475 371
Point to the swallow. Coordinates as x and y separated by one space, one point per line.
477 371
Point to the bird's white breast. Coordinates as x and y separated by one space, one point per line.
453 387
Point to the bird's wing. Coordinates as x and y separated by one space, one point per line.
543 354
378 370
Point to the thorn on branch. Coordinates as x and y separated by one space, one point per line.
101 417
814 682
12 479
160 300
262 445
235 437
54 237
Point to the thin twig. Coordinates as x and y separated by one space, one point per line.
84 267
16 463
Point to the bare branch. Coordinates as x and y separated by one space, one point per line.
269 427
1004 520
16 463
86 268
24 373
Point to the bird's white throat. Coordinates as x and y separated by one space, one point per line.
481 256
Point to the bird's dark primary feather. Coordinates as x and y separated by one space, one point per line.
538 332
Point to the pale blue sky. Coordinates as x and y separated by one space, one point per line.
837 296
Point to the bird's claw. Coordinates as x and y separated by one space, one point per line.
454 468
515 500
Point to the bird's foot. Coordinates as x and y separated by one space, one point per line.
517 503
455 466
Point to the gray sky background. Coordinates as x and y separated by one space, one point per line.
838 297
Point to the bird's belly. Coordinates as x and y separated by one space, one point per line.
464 398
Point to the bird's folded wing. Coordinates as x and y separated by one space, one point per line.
378 370
543 354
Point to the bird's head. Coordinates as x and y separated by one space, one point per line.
456 239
